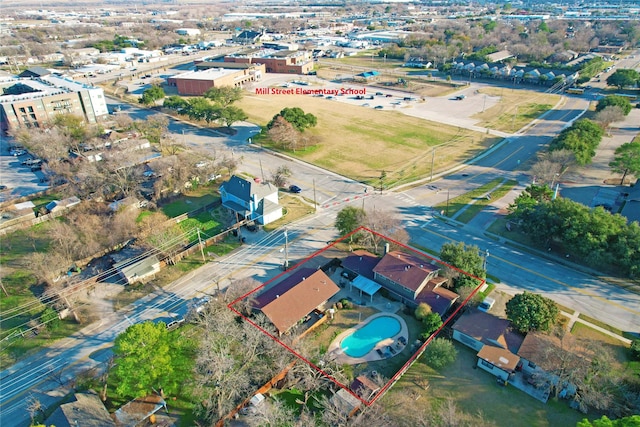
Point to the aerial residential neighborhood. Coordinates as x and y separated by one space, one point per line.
323 214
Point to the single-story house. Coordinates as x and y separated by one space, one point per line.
251 200
86 409
290 301
60 205
498 361
134 270
476 328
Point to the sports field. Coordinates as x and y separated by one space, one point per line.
361 142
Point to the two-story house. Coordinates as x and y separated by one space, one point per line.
413 280
250 200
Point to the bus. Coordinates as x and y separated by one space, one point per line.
575 90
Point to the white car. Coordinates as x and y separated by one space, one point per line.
486 304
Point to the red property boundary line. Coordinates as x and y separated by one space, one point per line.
409 362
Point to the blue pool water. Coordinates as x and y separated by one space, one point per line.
363 340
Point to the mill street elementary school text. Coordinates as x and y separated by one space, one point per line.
304 91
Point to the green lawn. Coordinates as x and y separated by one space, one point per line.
189 203
461 202
475 391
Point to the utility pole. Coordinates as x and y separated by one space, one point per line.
433 158
447 202
261 171
315 203
285 265
204 260
484 261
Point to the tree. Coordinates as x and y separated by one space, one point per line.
229 115
582 138
284 134
349 219
149 357
422 310
464 257
604 421
50 319
635 349
297 117
151 95
612 100
279 177
430 323
439 353
627 160
531 312
623 77
224 95
608 115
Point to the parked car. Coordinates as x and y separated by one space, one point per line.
295 189
19 152
486 304
378 107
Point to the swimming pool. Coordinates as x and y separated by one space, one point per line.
364 339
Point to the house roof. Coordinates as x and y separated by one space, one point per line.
361 262
296 296
86 409
439 299
138 410
244 189
130 268
489 329
544 350
500 357
35 72
409 271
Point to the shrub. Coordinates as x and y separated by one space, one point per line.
440 353
635 349
422 311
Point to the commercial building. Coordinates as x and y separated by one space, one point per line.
36 98
282 61
211 74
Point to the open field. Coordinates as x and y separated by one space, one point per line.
360 142
515 109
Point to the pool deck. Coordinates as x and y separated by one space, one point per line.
384 349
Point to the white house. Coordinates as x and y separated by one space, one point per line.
251 200
188 31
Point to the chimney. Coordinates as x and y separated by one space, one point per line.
386 248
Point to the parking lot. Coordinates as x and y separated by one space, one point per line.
18 179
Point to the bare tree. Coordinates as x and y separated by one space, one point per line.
609 115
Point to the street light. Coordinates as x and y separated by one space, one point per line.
484 261
553 181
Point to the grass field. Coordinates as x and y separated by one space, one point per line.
515 109
360 143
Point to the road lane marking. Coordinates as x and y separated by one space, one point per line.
535 273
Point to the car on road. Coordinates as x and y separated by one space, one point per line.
379 94
176 323
460 97
295 189
19 152
378 107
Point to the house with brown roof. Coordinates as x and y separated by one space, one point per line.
412 280
292 300
498 361
138 410
476 328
